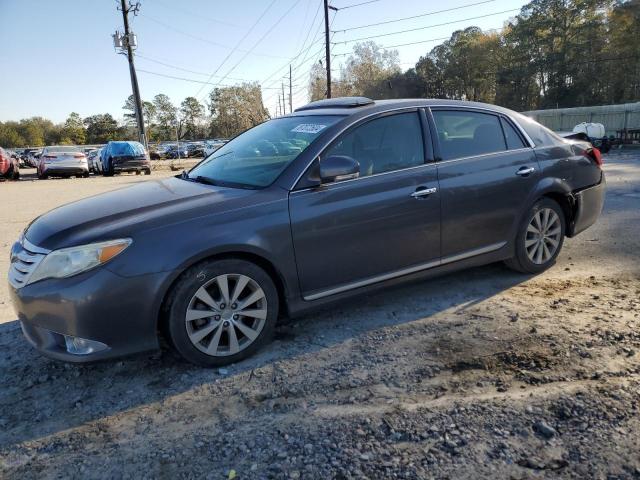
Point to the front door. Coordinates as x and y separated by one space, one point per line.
383 224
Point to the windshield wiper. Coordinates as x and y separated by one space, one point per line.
205 180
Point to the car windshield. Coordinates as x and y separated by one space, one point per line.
256 158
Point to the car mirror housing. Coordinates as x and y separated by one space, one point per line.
337 168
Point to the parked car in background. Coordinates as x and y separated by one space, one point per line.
9 165
117 157
93 158
211 146
177 151
195 149
370 194
31 156
62 161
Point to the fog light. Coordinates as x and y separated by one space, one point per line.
82 346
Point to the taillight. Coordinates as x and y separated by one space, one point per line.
595 154
78 155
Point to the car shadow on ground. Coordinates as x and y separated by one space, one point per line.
40 397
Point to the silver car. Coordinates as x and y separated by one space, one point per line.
63 161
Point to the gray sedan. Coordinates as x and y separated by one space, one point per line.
62 161
338 198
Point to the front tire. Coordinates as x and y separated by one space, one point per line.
221 312
540 238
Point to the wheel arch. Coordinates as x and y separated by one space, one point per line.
559 191
250 256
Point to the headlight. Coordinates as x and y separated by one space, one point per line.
67 262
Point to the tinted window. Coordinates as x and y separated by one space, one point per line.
256 157
513 139
464 134
63 149
540 135
384 144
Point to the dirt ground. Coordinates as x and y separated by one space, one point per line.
479 374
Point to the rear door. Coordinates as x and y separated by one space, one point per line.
361 231
487 173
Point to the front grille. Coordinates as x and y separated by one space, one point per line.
23 264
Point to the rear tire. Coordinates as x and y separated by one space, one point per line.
540 238
108 170
147 171
205 321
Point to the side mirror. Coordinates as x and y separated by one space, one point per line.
337 168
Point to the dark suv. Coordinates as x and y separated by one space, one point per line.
118 157
337 198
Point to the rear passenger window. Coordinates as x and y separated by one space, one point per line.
465 134
384 144
514 141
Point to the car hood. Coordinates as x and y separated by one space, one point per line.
127 211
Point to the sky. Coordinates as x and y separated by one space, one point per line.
57 56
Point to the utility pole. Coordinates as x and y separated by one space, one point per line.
284 103
279 107
327 47
127 42
290 92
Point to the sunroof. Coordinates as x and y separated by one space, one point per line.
340 102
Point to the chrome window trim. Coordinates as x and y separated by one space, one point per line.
525 149
410 108
405 271
334 185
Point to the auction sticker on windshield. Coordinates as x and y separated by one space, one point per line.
308 128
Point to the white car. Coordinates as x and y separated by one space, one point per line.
62 161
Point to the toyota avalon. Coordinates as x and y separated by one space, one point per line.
338 198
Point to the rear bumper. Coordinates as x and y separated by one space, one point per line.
130 165
589 203
65 170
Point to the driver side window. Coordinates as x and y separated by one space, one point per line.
388 143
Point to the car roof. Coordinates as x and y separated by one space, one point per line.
356 105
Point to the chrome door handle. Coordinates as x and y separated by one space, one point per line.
424 192
525 171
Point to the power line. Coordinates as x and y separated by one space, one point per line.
386 47
175 67
237 45
302 48
416 16
204 40
197 15
426 27
194 80
259 41
307 56
358 4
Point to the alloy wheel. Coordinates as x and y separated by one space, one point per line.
543 236
226 315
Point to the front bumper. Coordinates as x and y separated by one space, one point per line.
589 203
120 312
